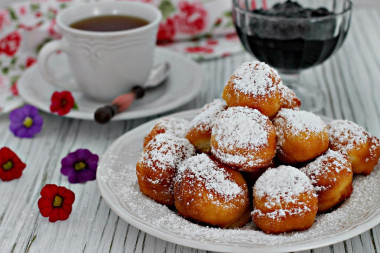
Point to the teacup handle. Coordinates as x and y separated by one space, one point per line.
43 59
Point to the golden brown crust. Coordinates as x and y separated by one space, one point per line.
248 156
284 206
288 98
255 85
196 200
302 147
331 175
267 105
173 126
157 166
362 148
200 138
287 223
301 136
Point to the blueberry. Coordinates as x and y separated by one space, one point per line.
321 12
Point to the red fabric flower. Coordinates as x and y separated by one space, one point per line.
166 30
30 61
212 42
192 17
199 50
14 89
62 102
10 44
53 30
22 10
11 166
56 202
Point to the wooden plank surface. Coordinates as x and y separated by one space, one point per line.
350 79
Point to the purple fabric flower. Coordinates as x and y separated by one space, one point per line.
80 166
25 121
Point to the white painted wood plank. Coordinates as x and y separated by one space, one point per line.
339 247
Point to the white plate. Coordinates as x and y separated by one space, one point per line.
183 84
117 183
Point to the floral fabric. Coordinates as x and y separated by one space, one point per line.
201 29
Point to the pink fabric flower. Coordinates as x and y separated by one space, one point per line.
4 18
192 18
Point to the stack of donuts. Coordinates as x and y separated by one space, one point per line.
254 155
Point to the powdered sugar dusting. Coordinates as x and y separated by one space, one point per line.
288 97
282 184
297 121
206 118
215 179
173 126
374 150
118 185
239 127
320 166
346 135
166 150
254 78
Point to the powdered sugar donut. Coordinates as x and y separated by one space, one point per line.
199 133
301 136
173 126
288 99
158 164
362 148
243 138
255 85
284 200
331 175
209 192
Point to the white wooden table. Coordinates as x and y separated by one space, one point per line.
351 80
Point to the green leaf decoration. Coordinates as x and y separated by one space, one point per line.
50 15
229 24
5 70
63 5
227 14
75 107
42 44
34 7
167 8
12 14
14 60
14 79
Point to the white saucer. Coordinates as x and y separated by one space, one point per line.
183 84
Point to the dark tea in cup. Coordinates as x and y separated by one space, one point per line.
109 23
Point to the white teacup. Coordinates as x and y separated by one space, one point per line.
104 64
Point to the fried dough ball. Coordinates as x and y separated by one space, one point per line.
255 85
199 133
301 136
289 99
173 126
284 200
331 175
157 166
362 148
243 138
209 192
